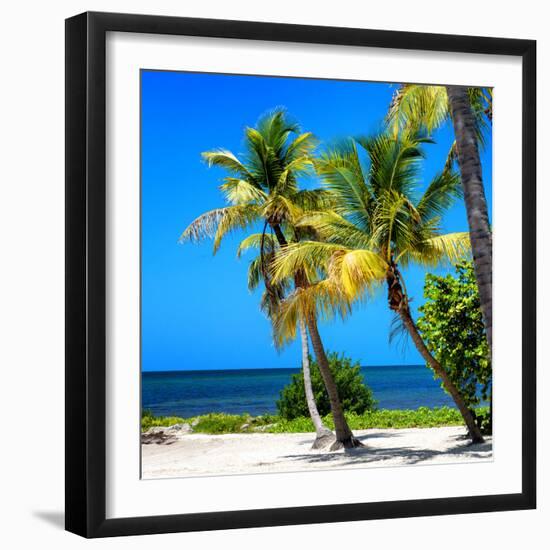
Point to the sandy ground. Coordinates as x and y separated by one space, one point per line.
200 454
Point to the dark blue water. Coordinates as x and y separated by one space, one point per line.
255 391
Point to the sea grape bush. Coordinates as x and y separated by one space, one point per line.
355 395
452 327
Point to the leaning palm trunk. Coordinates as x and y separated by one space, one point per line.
399 303
474 197
324 436
344 436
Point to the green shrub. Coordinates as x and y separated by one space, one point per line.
452 327
220 423
355 396
148 420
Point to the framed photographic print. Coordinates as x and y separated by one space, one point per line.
300 274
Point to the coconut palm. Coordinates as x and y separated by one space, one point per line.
263 188
380 224
471 111
270 304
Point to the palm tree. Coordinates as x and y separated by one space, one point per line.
263 188
471 111
270 304
380 224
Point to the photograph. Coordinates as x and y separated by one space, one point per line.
316 274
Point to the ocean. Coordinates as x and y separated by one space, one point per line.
255 391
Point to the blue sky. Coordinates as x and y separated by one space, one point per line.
197 312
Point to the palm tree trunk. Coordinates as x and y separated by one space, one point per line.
474 198
473 430
344 436
324 436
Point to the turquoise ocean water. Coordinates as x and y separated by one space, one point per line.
255 391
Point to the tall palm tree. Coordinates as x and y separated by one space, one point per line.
263 188
270 304
380 224
471 111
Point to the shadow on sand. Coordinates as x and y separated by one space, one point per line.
410 455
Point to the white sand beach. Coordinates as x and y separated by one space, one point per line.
201 454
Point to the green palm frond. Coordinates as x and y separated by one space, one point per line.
394 161
302 145
342 174
334 228
275 127
310 200
395 220
440 194
481 102
262 161
287 184
255 241
452 157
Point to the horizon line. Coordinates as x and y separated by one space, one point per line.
276 368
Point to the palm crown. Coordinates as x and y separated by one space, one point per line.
262 185
380 218
427 107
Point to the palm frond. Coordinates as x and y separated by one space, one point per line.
395 161
357 272
307 256
440 194
334 228
239 191
278 208
481 103
310 200
226 159
235 218
418 106
302 145
394 220
431 252
398 332
255 241
255 273
342 174
322 300
219 222
275 127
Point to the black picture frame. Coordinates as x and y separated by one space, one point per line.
86 271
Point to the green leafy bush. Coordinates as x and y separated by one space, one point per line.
452 327
219 423
149 420
355 396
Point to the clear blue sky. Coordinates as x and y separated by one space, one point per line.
197 312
